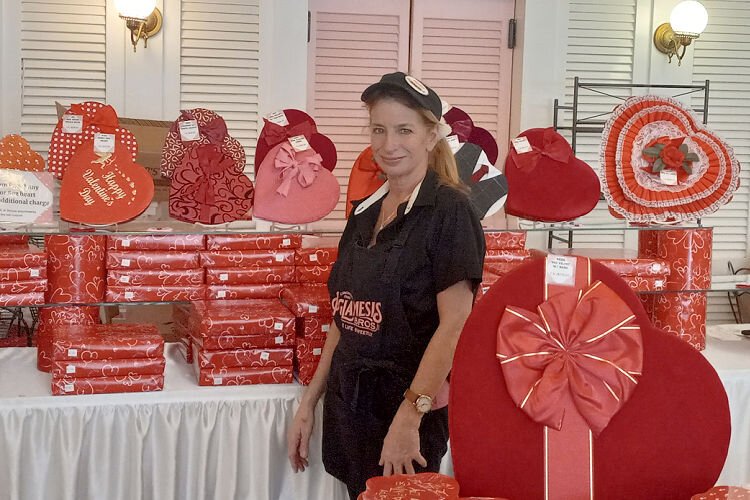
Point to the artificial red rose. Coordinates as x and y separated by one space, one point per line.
672 156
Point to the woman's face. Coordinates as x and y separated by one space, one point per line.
401 141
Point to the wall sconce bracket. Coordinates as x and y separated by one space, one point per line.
144 29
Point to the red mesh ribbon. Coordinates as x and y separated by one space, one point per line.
275 134
303 166
211 163
554 146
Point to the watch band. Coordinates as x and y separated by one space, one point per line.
422 402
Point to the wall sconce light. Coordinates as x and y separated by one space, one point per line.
141 17
686 23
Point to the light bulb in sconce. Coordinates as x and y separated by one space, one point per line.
687 21
141 17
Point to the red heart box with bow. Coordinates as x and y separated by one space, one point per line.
548 183
272 134
104 189
293 187
207 188
665 438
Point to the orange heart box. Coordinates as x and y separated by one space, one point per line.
103 190
16 153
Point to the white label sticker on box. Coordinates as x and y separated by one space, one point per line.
313 309
70 369
313 257
265 356
68 388
34 273
286 242
655 267
317 351
124 279
126 243
668 177
278 117
72 353
221 294
104 143
223 277
129 295
299 143
453 142
325 328
561 270
125 262
659 283
189 130
279 257
218 380
279 339
72 124
521 145
278 325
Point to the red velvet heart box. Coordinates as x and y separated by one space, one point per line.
463 126
104 189
206 187
668 441
549 183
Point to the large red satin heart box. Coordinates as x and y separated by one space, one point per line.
103 189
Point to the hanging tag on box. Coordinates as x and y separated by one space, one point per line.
218 381
313 309
561 270
299 143
124 279
129 295
265 356
68 388
278 117
34 273
313 257
125 262
325 328
125 243
453 142
278 258
72 124
278 325
317 351
221 294
223 277
70 369
189 130
279 340
286 242
668 177
72 353
104 143
521 145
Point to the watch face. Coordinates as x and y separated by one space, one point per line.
423 404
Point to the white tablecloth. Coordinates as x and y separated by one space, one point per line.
189 442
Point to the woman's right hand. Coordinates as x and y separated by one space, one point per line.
298 437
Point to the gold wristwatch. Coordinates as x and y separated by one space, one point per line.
422 402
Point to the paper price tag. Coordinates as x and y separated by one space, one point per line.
299 143
286 242
313 309
218 380
453 142
124 279
325 328
278 258
68 388
125 262
317 351
189 130
655 267
279 340
129 295
668 177
72 124
34 273
659 283
104 143
221 294
314 257
265 356
561 270
521 145
126 243
72 353
223 277
278 325
70 369
278 117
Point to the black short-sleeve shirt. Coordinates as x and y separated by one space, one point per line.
445 246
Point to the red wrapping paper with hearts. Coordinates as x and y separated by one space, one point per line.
507 255
245 376
224 341
682 315
307 300
241 317
107 385
309 350
246 258
127 341
258 241
75 268
186 349
315 256
108 368
14 239
505 240
153 260
724 493
249 275
312 274
21 299
246 358
26 286
315 326
647 283
51 317
500 268
155 293
234 292
22 256
13 274
424 486
305 372
154 277
172 242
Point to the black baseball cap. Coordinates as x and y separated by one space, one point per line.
421 93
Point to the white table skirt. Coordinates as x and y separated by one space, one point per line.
189 442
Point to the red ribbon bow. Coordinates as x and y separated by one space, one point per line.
105 118
581 346
554 147
210 163
462 128
215 130
303 166
275 134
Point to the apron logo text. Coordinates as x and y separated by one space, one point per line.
361 316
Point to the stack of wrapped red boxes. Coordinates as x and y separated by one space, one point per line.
155 268
240 342
248 266
505 251
314 259
311 304
23 272
98 359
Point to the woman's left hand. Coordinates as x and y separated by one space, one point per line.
401 445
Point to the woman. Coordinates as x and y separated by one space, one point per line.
409 262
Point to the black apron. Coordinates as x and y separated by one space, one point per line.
374 363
